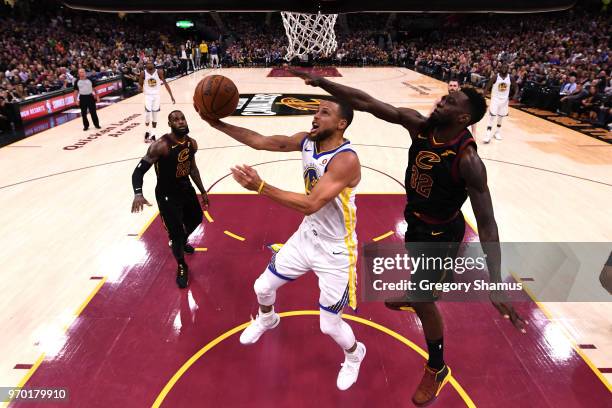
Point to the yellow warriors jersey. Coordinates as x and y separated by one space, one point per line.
337 219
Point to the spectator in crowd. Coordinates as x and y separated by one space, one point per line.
214 56
7 120
203 54
591 104
570 103
184 60
548 54
569 87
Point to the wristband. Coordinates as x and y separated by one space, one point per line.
261 186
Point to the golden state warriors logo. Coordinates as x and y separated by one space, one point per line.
311 177
298 104
152 82
502 87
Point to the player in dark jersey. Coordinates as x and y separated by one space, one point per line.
173 155
443 170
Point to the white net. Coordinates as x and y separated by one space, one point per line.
309 33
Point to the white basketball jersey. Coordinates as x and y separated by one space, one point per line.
501 88
336 219
151 83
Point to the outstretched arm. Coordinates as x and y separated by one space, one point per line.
160 73
257 141
344 171
156 150
361 101
474 174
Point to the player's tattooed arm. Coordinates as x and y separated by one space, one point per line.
474 174
156 150
361 101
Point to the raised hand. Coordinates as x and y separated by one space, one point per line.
309 79
247 177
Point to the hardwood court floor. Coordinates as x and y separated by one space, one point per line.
65 214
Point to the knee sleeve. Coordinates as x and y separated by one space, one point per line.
147 116
154 114
333 325
499 120
265 288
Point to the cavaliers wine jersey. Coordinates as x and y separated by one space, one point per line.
434 189
173 170
336 219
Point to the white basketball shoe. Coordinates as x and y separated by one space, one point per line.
258 326
350 368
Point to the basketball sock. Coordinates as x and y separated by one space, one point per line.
267 318
435 348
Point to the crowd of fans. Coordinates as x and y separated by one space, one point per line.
560 61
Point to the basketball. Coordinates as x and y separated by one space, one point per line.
216 95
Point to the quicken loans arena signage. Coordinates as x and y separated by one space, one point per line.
276 104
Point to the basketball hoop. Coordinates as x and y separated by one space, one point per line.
309 33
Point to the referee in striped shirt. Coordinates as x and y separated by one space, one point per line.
86 92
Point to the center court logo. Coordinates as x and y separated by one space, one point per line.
264 104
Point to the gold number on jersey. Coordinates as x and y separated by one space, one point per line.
420 182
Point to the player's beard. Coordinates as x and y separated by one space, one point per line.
181 132
321 135
437 121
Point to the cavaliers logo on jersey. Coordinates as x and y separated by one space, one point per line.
183 155
183 167
152 82
311 177
426 159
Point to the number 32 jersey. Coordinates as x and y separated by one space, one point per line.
434 187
